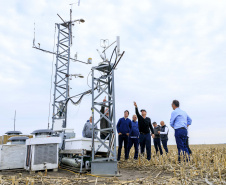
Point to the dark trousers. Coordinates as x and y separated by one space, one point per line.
157 145
135 142
187 143
181 138
164 144
145 140
121 139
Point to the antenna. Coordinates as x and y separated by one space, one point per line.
34 36
15 120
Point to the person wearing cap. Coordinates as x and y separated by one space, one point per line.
103 122
144 127
134 137
179 121
87 129
164 130
124 128
157 142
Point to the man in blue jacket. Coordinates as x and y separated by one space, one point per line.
134 137
124 126
179 121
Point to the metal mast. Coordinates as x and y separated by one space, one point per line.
105 86
61 82
61 87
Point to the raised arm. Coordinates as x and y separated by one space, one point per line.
136 110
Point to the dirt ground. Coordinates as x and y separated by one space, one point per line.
207 165
127 176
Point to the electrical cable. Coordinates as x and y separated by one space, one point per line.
50 91
78 101
88 79
112 53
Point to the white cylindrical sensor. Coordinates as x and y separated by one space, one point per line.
118 44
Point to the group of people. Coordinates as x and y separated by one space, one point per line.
138 133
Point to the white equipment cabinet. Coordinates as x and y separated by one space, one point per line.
83 144
12 156
42 153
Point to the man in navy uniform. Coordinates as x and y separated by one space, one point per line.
179 121
134 137
164 130
124 128
144 127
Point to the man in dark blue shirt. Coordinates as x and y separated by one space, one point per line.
124 126
134 137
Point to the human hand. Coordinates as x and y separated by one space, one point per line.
127 134
135 104
158 132
153 136
119 133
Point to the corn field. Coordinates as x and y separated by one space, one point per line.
207 165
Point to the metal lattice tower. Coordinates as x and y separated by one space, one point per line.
61 82
61 88
104 85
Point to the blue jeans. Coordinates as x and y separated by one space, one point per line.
181 138
157 145
145 140
135 142
123 138
164 144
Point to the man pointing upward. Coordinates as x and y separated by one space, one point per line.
144 128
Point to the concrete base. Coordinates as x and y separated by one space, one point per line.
108 168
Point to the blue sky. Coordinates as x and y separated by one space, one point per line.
173 50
